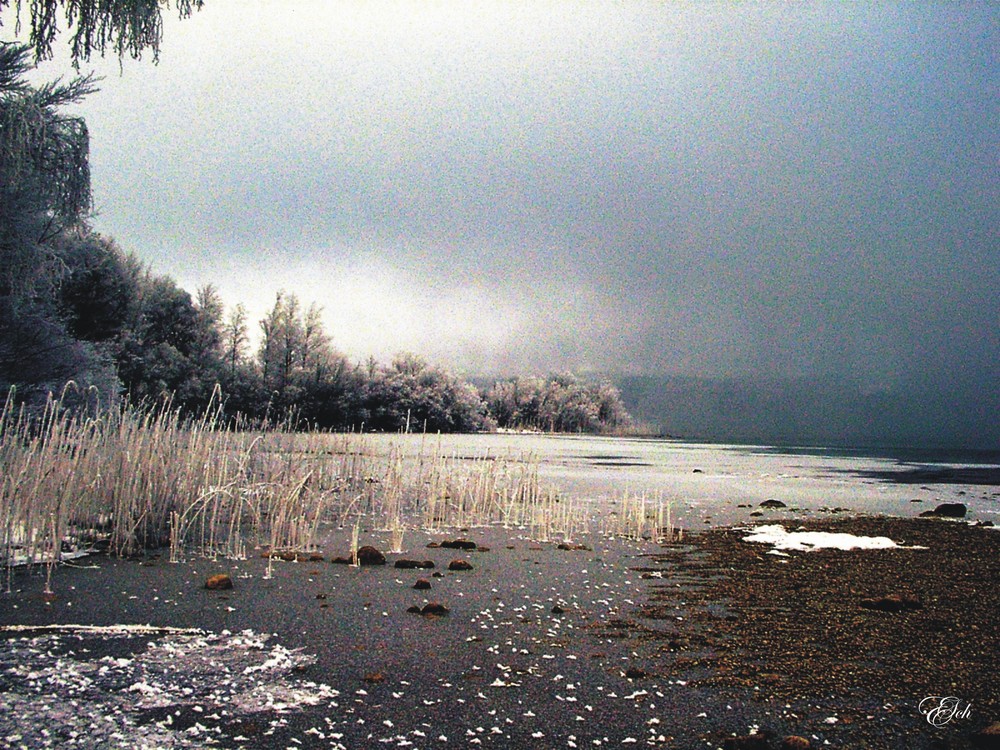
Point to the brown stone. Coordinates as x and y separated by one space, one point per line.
414 564
573 547
368 555
892 603
465 544
794 742
772 504
434 608
422 584
459 565
373 678
219 582
946 510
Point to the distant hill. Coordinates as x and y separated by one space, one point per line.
814 412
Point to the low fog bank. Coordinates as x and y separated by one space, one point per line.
817 412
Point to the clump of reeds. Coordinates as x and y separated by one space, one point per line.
141 478
136 478
641 517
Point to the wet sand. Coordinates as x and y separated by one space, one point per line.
627 643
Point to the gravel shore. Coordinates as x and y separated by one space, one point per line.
710 643
842 645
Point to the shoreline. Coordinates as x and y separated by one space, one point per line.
585 646
844 644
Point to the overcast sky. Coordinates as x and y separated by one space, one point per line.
800 189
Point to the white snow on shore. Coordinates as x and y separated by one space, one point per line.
804 541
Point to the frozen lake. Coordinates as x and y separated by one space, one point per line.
719 484
328 656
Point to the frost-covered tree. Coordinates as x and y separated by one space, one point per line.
281 348
171 349
44 201
48 334
44 168
561 403
123 27
412 395
235 340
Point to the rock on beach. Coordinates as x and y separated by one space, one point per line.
405 564
465 544
368 555
219 582
431 609
946 510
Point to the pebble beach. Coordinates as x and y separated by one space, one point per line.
713 641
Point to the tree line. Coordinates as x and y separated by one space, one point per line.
107 322
76 307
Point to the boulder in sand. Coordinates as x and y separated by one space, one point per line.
435 609
946 510
465 544
219 582
368 555
459 565
414 564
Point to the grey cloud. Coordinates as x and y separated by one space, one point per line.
765 190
